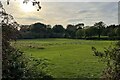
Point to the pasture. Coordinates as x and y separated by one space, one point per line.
69 58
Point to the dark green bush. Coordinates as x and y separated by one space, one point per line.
15 65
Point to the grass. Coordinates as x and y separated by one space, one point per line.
69 58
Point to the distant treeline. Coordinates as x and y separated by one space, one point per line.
98 31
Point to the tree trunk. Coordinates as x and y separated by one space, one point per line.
99 36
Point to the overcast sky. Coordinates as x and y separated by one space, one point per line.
66 13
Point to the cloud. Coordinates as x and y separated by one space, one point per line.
83 11
68 12
74 20
31 19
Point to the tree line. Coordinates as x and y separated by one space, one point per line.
79 31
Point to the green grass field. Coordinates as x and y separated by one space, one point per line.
70 58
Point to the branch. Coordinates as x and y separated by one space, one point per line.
34 2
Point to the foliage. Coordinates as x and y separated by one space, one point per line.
79 25
111 56
34 2
100 26
117 31
40 30
80 33
91 31
58 31
71 30
15 65
38 27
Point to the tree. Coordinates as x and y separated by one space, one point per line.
38 27
34 2
39 30
79 26
49 31
118 31
71 30
80 33
15 65
100 26
90 31
58 31
113 31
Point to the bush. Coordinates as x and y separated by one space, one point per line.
111 56
15 65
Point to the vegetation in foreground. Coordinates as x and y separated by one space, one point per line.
15 65
11 62
111 56
69 57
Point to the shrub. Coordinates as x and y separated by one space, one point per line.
15 65
111 56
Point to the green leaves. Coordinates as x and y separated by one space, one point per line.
112 58
15 65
